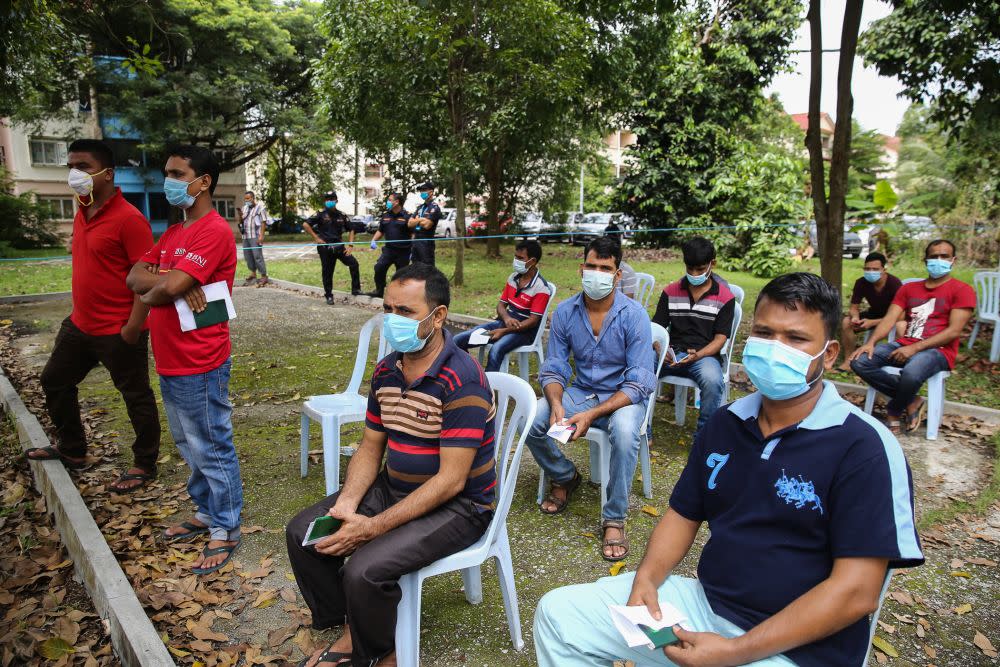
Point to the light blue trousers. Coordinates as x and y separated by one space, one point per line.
573 626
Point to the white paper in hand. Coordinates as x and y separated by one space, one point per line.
627 620
218 291
479 337
561 432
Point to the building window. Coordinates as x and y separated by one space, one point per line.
373 170
371 193
48 152
62 206
225 207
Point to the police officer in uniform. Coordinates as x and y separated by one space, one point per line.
394 227
423 223
328 226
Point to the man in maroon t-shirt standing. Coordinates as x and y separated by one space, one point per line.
108 322
936 311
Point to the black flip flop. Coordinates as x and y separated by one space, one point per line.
144 477
329 656
913 420
52 453
192 530
206 552
570 487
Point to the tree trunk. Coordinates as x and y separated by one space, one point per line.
493 183
458 185
814 139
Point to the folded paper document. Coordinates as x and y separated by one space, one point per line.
218 308
639 628
479 337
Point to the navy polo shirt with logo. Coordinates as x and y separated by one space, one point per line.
781 509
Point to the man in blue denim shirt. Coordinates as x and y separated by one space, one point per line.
610 339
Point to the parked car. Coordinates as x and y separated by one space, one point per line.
446 225
594 226
919 227
478 226
529 224
366 223
852 242
289 225
559 227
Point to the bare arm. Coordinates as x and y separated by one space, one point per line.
168 288
362 470
142 278
669 543
130 332
713 348
881 331
584 419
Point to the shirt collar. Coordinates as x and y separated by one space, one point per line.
103 208
447 350
830 410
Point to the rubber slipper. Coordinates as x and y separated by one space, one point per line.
144 477
329 655
561 503
913 420
52 453
206 552
191 529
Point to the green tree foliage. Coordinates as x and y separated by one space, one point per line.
700 101
24 221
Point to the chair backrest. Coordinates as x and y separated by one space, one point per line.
727 349
508 387
545 317
661 336
361 358
987 292
644 288
874 620
737 292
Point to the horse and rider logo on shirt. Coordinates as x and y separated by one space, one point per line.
797 491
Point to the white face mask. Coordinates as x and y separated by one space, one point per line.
82 182
598 284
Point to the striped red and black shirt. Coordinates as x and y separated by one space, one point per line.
451 405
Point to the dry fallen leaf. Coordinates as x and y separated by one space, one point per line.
616 569
930 651
884 646
650 510
55 648
961 574
963 609
985 645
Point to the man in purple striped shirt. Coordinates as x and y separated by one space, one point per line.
431 415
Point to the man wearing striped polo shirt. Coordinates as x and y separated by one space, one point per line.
431 413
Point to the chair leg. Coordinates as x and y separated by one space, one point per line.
472 578
524 365
331 454
505 570
541 485
304 444
408 622
647 482
995 345
605 457
697 398
935 405
870 400
680 403
975 332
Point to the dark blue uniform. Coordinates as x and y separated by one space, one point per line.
330 225
395 230
423 235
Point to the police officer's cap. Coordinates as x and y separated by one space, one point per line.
330 195
425 186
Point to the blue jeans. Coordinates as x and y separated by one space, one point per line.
502 347
573 625
623 427
903 388
200 417
707 374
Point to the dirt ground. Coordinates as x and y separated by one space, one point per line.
289 346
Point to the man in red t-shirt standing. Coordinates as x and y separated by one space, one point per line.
936 311
108 322
194 365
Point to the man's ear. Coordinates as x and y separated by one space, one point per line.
441 316
831 354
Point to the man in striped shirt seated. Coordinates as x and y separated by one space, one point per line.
431 414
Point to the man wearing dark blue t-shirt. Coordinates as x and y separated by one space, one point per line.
808 501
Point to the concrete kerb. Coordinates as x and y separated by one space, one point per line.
133 636
34 298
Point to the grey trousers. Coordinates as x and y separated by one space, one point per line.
255 257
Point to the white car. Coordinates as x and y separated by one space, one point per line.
594 225
446 225
559 227
529 224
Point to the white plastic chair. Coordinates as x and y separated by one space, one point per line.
644 288
935 399
494 542
873 625
987 309
681 384
525 351
600 441
334 410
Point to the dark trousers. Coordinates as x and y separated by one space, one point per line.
364 591
390 257
903 388
74 355
328 256
423 251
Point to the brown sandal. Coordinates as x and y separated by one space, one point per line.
605 543
561 503
913 419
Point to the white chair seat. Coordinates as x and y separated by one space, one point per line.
935 399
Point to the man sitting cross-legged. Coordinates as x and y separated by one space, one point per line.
431 413
808 500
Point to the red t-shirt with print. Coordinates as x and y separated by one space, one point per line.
203 249
928 310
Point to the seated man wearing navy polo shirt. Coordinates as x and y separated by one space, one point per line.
808 502
431 414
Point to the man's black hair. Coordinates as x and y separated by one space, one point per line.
954 250
876 257
201 159
250 192
398 197
697 251
812 292
100 150
437 290
533 248
604 247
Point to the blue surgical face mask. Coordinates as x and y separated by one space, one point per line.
698 280
388 205
938 267
176 192
425 195
329 203
401 332
873 276
779 371
598 284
